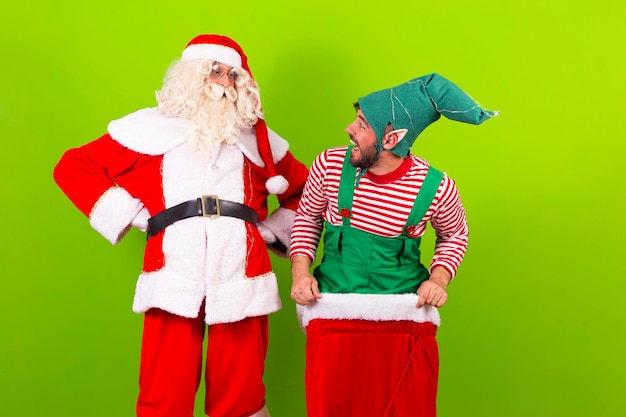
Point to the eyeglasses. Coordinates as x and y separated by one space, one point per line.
218 71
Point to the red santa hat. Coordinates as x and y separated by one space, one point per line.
227 51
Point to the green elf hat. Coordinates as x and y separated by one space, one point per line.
417 103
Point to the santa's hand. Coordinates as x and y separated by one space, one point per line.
276 231
141 220
272 242
266 234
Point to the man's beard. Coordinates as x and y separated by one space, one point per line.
365 158
217 121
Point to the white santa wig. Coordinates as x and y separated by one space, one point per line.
186 89
185 81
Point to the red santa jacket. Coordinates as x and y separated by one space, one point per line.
144 161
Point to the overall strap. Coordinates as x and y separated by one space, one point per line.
425 196
346 189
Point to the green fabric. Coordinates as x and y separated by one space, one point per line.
417 103
356 261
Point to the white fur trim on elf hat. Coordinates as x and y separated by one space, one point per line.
220 53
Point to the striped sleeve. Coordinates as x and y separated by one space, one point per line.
450 226
318 202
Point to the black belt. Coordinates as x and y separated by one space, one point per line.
206 206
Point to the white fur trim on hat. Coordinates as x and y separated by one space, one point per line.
220 53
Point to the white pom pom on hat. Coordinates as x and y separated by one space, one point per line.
277 184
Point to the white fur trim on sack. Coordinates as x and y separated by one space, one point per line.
373 307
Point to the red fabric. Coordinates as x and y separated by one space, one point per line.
171 364
87 172
357 368
263 144
235 366
256 196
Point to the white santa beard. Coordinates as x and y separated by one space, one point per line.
217 121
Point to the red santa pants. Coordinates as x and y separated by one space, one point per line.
357 368
171 364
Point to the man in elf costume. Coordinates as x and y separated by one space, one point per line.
370 308
195 173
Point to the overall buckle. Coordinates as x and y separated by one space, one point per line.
207 210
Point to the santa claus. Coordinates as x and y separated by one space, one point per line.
195 173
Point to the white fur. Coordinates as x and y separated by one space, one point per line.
248 145
141 220
206 257
149 132
242 297
214 52
168 290
277 184
113 214
373 307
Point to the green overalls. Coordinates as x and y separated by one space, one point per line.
356 261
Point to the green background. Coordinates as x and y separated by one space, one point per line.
534 324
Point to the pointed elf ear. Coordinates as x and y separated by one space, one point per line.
399 132
399 135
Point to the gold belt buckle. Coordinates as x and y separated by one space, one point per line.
217 206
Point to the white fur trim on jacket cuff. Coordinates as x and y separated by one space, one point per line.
113 214
373 307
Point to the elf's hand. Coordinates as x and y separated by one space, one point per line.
433 290
304 289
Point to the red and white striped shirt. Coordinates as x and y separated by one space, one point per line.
381 205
